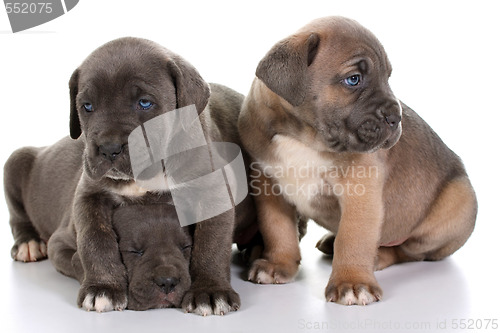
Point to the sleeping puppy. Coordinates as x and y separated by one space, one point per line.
156 252
332 143
69 190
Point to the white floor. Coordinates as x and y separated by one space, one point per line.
419 296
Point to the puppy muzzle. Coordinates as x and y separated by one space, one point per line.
109 159
380 129
110 151
372 132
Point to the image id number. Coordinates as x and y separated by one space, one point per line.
28 8
474 324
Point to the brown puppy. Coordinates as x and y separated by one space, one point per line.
332 142
74 185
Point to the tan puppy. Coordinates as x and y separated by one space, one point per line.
332 143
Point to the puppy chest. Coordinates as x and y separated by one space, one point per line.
131 190
303 176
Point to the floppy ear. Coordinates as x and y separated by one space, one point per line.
74 122
284 67
190 88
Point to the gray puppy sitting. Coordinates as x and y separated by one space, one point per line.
68 191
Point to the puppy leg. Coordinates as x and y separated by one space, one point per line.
211 291
446 228
28 246
62 252
104 286
355 248
278 226
388 256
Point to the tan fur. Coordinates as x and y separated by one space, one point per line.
379 174
444 230
280 236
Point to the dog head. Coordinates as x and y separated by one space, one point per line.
117 88
156 252
334 73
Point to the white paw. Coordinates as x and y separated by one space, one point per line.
264 278
221 307
265 272
363 297
100 304
214 302
202 310
31 251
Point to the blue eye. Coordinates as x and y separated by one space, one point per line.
88 107
353 80
144 104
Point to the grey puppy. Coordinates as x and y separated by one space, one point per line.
68 191
156 252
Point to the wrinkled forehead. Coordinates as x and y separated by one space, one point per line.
109 81
348 43
147 221
124 60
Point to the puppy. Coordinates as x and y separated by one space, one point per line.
69 190
332 142
156 252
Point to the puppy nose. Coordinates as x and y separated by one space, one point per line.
110 150
393 120
166 283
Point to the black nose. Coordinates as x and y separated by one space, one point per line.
393 120
166 283
110 150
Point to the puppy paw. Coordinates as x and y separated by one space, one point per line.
266 272
325 244
353 293
31 251
208 301
102 298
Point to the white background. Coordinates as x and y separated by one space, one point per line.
445 56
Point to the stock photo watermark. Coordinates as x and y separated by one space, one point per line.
309 180
170 153
380 325
26 14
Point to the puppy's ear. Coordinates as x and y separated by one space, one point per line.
284 68
190 88
74 122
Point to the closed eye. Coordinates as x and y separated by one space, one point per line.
187 247
138 253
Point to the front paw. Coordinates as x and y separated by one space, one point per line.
31 251
102 298
266 272
351 293
325 244
206 301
